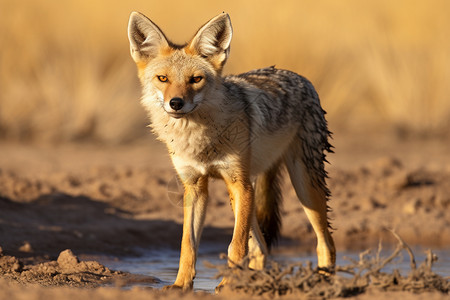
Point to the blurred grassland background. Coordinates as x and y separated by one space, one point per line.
66 74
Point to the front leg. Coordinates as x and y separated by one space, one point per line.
241 196
195 202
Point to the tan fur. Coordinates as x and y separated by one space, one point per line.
195 202
314 205
238 128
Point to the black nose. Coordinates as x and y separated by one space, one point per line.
176 103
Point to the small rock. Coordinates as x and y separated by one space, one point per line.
26 247
67 259
397 180
412 206
10 264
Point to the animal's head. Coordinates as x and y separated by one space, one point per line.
179 76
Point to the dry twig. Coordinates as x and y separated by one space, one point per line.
308 281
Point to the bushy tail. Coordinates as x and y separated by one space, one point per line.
267 202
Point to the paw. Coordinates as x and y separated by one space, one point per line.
172 287
218 288
221 286
327 271
257 262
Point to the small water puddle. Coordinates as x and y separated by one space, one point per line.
163 264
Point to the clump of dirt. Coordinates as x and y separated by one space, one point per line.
67 270
356 278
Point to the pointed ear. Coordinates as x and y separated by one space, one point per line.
145 37
213 40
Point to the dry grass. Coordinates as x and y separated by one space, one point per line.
65 71
353 279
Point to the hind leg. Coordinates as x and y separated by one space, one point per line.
314 201
257 248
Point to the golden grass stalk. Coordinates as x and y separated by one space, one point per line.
65 71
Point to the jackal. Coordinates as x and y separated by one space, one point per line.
240 128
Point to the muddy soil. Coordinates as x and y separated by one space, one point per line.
115 201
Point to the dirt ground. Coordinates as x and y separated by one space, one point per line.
115 201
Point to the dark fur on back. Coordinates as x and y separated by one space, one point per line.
268 200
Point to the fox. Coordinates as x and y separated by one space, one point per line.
244 129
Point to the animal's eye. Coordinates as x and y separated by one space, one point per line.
162 78
196 79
